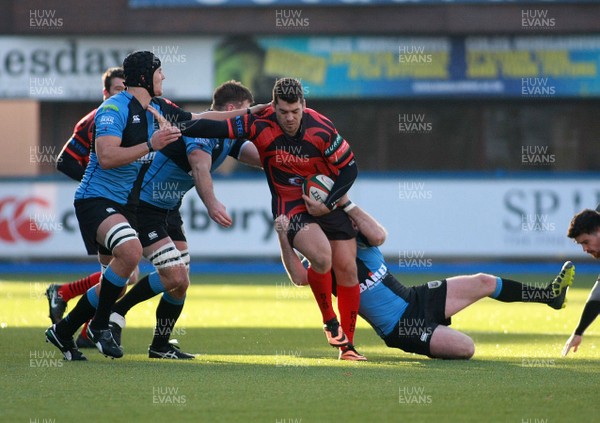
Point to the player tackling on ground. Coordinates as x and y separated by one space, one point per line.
416 319
585 230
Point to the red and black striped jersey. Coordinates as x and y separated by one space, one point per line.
318 148
78 146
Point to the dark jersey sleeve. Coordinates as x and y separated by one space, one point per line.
589 314
342 184
236 127
339 154
172 111
69 166
75 155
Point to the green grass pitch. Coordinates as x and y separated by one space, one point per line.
263 358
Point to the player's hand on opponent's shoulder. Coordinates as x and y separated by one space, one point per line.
218 212
257 108
573 342
314 207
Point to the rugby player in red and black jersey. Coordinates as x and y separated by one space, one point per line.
72 161
75 154
295 142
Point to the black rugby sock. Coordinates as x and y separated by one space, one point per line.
167 314
81 313
513 291
109 293
140 292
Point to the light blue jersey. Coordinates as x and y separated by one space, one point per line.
382 298
169 177
124 117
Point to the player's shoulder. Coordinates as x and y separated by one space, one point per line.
113 112
314 113
268 113
164 103
118 103
318 118
87 119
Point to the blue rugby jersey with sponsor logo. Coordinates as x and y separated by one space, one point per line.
124 117
382 298
169 176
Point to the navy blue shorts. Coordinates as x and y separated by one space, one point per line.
426 311
155 223
91 212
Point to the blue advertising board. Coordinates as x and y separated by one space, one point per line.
346 67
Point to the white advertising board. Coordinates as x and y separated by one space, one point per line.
71 68
425 218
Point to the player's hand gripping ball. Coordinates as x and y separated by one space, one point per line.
317 187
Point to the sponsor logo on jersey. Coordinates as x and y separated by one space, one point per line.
374 278
434 284
110 210
110 107
424 336
239 126
106 120
152 235
135 119
334 145
296 181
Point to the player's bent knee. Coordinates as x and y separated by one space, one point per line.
321 264
450 344
346 275
181 288
166 257
487 282
463 349
129 253
467 349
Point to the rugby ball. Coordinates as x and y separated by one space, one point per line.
317 187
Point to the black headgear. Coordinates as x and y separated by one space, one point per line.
139 68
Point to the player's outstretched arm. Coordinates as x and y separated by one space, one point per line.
207 128
588 315
249 155
200 161
224 115
67 164
366 224
293 266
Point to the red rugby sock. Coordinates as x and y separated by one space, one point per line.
320 284
71 290
348 302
